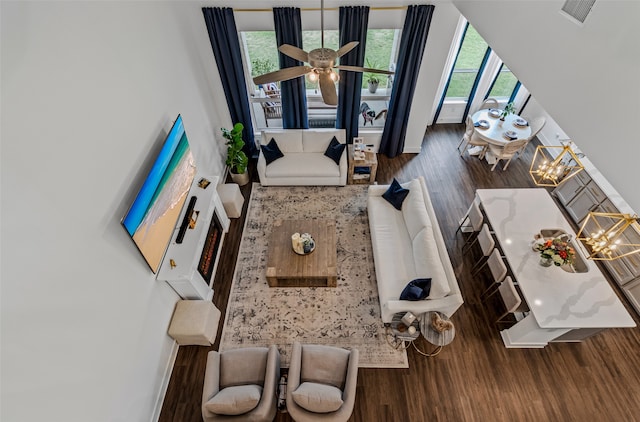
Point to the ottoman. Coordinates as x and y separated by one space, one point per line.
231 199
194 322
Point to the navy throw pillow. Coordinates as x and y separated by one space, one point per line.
271 151
417 289
396 194
335 150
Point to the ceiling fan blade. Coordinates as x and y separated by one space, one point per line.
294 52
364 69
347 47
328 89
282 74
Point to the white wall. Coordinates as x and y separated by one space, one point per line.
89 89
585 77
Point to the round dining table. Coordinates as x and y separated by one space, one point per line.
495 133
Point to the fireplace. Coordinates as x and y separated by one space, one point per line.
210 249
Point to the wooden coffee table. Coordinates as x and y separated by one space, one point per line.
285 268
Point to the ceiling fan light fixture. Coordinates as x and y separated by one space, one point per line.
313 76
334 76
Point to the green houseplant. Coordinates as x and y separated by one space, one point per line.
237 160
372 78
508 109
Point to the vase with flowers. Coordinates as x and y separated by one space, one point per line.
557 251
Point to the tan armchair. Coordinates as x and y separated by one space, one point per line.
322 383
241 385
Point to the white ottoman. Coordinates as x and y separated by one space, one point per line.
231 198
194 322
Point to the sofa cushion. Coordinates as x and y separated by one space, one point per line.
417 289
288 140
414 209
335 150
271 151
396 194
317 141
318 398
427 263
297 165
235 400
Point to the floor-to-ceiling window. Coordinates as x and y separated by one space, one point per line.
261 56
477 73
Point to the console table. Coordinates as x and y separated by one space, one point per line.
564 306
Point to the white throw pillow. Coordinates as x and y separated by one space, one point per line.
235 400
319 398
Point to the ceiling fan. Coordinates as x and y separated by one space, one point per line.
321 61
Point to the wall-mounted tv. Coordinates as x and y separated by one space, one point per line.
152 218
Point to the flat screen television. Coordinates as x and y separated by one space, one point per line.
152 218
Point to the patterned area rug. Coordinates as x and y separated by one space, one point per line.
345 316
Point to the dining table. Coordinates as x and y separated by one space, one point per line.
566 303
495 131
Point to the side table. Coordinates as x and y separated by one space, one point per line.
433 336
369 164
401 337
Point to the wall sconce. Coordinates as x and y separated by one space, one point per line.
608 236
548 171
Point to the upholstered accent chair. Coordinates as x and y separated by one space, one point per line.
321 383
241 385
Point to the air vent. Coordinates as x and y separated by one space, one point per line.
578 9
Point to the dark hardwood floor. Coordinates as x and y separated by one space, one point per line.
475 378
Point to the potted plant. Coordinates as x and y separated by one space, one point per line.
237 160
508 109
372 78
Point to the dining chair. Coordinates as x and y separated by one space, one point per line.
486 242
489 103
497 268
470 138
511 300
506 152
473 221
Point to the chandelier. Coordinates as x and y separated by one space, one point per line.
548 171
608 236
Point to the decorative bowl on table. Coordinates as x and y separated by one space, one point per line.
510 135
520 122
495 112
303 244
482 124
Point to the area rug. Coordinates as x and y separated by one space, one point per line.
345 316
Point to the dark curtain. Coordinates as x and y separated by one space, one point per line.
353 27
292 92
223 35
412 44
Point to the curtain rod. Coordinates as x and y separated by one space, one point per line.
317 9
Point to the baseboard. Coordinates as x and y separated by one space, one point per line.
165 383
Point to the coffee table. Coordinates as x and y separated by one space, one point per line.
285 268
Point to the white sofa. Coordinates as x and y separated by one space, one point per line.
407 244
304 162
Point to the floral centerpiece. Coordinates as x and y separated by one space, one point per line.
557 251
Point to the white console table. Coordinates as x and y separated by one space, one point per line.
180 266
564 306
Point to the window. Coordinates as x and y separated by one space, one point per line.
504 84
467 65
261 56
